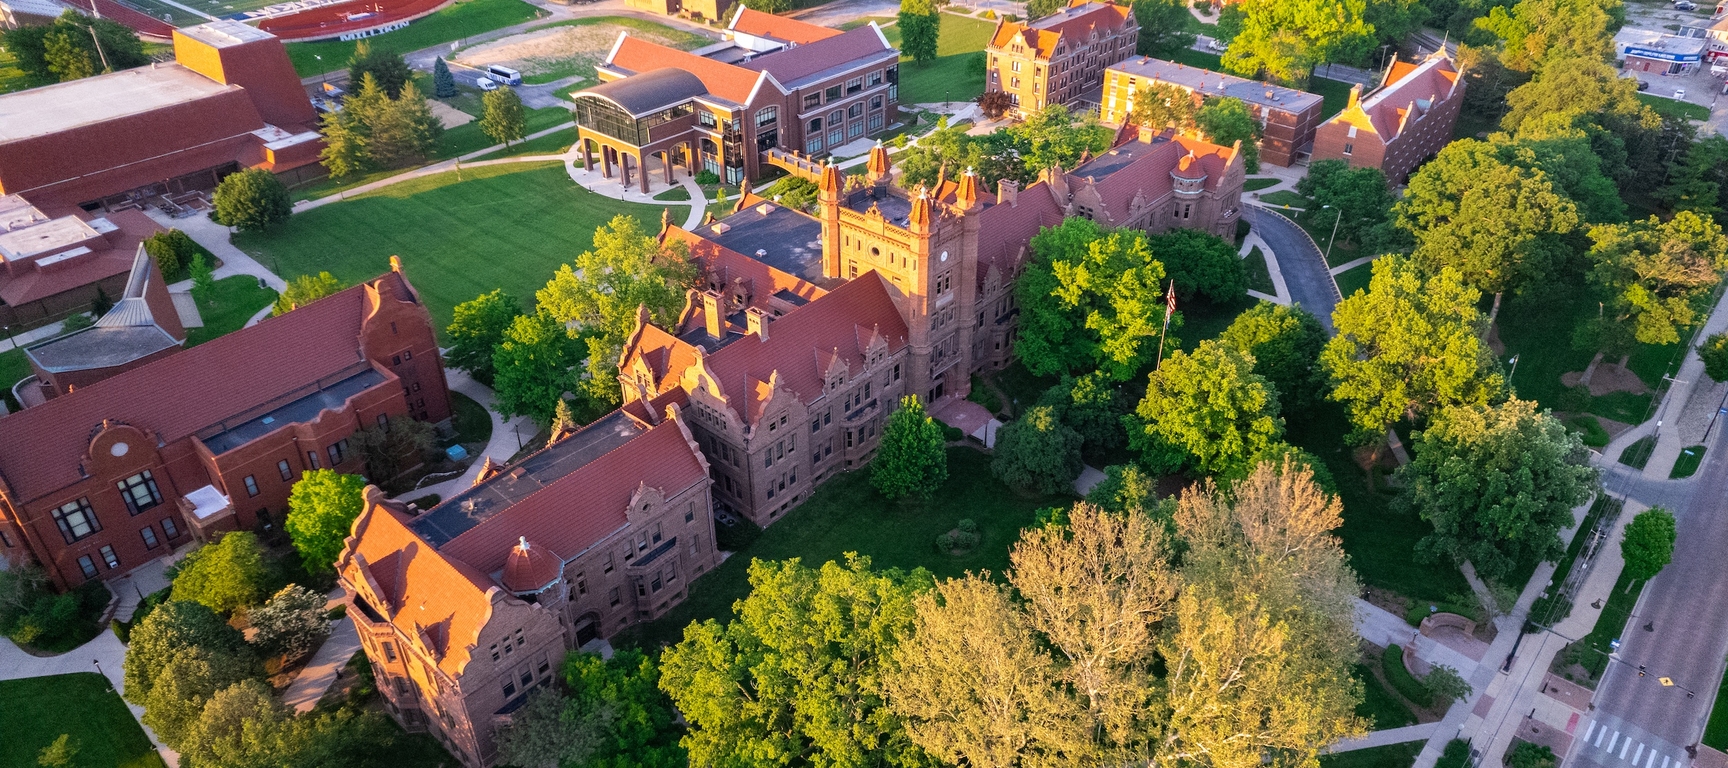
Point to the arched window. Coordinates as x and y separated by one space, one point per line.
767 116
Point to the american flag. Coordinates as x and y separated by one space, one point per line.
1169 304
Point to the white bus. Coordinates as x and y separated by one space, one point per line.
504 75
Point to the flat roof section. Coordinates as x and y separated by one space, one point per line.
1211 84
298 411
226 33
774 235
1100 167
62 107
47 237
99 348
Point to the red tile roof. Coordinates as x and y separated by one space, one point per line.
1003 230
1383 111
183 393
666 355
723 80
1043 35
791 65
753 22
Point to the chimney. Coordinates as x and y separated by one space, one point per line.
756 322
711 313
1147 134
1355 96
1008 192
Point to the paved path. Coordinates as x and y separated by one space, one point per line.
1280 290
1349 265
214 237
326 663
1300 264
507 437
1669 440
1388 737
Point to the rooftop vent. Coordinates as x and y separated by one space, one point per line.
761 252
765 209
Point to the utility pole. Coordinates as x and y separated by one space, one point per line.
1334 238
98 41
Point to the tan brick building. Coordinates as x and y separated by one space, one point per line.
1288 117
1061 58
1399 125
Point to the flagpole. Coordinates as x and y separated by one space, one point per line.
1169 307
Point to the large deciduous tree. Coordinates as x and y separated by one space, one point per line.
304 290
1037 453
1649 543
387 67
1538 32
173 629
912 460
920 24
1163 28
291 622
388 449
1091 299
67 49
1206 410
611 713
1284 39
1201 264
1355 201
501 116
1659 274
223 575
1162 105
1285 343
535 364
1092 405
1498 483
797 676
599 294
1714 353
1225 121
1408 346
252 200
321 511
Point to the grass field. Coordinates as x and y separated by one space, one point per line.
40 709
1255 185
178 16
1284 197
1538 329
464 19
955 74
1716 731
1259 275
1637 454
1389 756
235 300
1674 108
1590 429
1354 279
1381 706
11 77
1688 462
499 226
847 515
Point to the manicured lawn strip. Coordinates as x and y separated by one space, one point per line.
463 19
501 226
1392 663
954 75
1382 707
1549 609
235 300
14 366
1255 185
470 138
1688 462
1716 731
1637 454
556 143
1667 107
176 16
1538 329
1259 275
1380 540
1284 197
847 515
1594 653
471 420
40 709
1389 756
1591 430
1354 279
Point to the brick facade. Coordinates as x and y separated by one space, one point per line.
1061 58
1288 117
1407 120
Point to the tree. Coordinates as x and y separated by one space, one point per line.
1201 263
291 623
758 691
1407 347
203 276
1588 94
501 116
224 575
1285 344
1091 299
1539 32
1714 353
1162 105
599 295
443 83
993 104
1038 9
182 687
1092 406
65 49
401 131
252 200
1259 646
535 365
304 290
385 66
1355 200
1649 544
388 449
1446 684
345 151
975 687
1163 28
173 629
321 511
1227 120
1659 274
1697 178
237 728
1125 488
1531 755
1498 483
543 732
793 192
476 331
1037 453
172 251
912 460
62 752
1207 410
1284 39
769 6
920 25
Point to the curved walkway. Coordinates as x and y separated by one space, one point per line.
1300 264
508 436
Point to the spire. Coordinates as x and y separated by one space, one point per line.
830 179
966 197
878 167
920 218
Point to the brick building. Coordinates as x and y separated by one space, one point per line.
1400 124
1061 58
777 84
54 262
229 100
143 326
1288 117
98 480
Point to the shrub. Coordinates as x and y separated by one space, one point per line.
76 323
172 250
707 177
252 200
122 630
1574 399
1457 755
1528 755
989 14
1392 663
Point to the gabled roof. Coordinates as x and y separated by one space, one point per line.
819 60
1405 85
635 56
181 394
1079 20
649 92
753 22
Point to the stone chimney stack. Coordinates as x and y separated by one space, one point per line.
1355 96
711 313
1008 192
756 322
1148 133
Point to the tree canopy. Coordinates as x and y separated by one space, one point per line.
920 24
1206 410
1037 453
1285 343
321 511
1714 353
1284 39
1225 121
912 460
1163 105
252 200
1659 274
1047 138
1538 32
501 116
1091 299
476 331
386 67
172 629
534 365
1092 405
611 713
1355 200
67 49
1163 28
224 575
1201 264
304 290
1649 543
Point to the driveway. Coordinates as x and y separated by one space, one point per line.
1304 269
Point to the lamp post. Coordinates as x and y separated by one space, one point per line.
1334 238
323 77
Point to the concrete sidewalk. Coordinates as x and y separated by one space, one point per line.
319 673
507 438
1387 737
1671 439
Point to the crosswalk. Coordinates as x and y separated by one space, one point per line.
1605 743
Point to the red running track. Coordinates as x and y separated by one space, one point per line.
332 20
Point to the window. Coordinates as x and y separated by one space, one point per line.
149 534
170 528
545 664
312 459
338 451
389 651
875 80
855 110
1015 66
816 425
251 486
76 520
690 512
284 470
832 93
139 492
855 129
835 117
581 582
614 596
706 118
812 100
641 542
509 687
813 146
494 651
88 566
875 102
1349 147
767 116
6 541
109 557
657 535
855 85
608 562
1014 82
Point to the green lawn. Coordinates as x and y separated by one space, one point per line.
1716 731
1688 462
555 143
1284 197
1593 650
471 420
176 16
1380 706
1637 454
40 709
847 515
235 300
11 77
499 226
1259 275
463 19
1588 427
1538 329
1389 756
955 74
1354 279
1255 185
1673 108
13 367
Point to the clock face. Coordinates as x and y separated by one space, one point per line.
119 449
944 255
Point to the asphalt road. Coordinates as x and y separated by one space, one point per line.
1304 269
1637 720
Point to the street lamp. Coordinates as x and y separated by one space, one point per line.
323 77
1334 238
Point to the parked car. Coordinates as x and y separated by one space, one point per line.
1679 93
1643 85
1685 5
486 83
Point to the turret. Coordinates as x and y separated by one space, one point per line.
879 166
966 197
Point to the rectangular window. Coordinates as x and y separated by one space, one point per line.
284 470
875 78
88 566
816 425
170 528
76 520
608 562
875 122
1348 148
545 664
812 100
832 93
390 652
109 557
338 451
251 486
509 687
614 596
312 459
690 512
706 118
855 129
855 110
494 651
767 116
526 677
813 146
139 492
855 85
656 533
582 582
